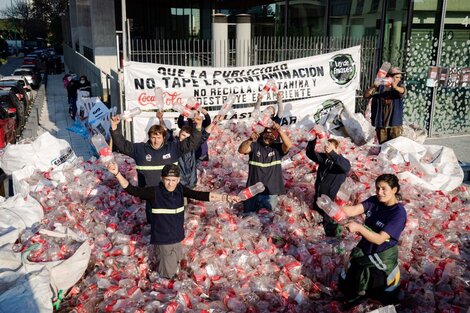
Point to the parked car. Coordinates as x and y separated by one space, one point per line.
9 101
7 127
23 82
17 88
30 61
34 79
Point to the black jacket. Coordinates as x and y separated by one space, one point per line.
167 219
331 173
149 161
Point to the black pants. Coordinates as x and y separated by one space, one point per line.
375 289
329 225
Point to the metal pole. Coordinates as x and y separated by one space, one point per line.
380 41
438 32
124 32
14 26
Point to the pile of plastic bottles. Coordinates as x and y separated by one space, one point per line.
278 261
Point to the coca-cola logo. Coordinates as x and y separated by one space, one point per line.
169 99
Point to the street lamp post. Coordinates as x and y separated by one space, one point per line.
14 25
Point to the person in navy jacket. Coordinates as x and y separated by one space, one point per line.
167 213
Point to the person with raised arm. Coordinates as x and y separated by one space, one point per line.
167 213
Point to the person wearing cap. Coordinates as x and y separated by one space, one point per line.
387 105
151 156
331 174
264 165
167 214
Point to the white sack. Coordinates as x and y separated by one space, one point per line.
438 165
31 293
357 127
64 273
20 213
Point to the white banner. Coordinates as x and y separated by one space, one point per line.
300 78
301 112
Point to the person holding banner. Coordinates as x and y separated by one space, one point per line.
276 117
331 174
151 156
264 166
167 214
202 153
387 105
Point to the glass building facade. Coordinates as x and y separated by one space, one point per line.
411 34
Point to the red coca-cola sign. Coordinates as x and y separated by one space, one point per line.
169 99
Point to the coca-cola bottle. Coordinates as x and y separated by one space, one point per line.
381 78
265 120
251 191
227 105
103 149
159 98
129 114
332 209
193 104
183 110
270 84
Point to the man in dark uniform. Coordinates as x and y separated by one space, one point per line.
151 156
265 166
167 214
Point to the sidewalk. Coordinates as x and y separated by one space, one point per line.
55 117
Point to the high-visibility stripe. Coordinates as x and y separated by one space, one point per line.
168 211
264 164
151 167
375 259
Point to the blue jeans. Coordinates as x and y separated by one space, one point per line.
260 201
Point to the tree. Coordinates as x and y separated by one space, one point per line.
20 18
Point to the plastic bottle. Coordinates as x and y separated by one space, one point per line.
159 98
183 110
383 70
270 84
193 104
381 77
103 149
251 191
227 105
266 120
332 209
129 114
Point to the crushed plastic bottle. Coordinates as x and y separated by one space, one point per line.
184 111
193 104
227 106
103 149
332 209
159 102
270 85
251 191
127 115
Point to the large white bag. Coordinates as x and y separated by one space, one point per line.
358 128
20 213
31 293
44 153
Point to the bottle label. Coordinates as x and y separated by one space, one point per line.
247 193
266 88
106 151
339 216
